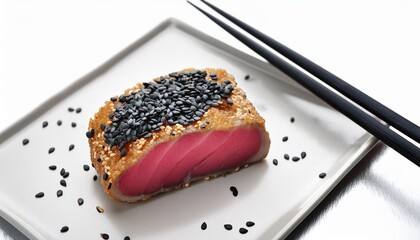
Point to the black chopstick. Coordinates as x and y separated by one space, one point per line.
383 133
387 115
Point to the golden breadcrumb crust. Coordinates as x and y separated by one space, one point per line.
224 117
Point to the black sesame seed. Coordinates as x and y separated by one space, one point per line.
105 236
25 141
123 152
229 101
71 147
243 230
39 195
103 126
109 185
73 124
247 77
64 229
51 150
99 160
250 224
66 175
292 119
78 110
63 183
44 124
62 171
52 167
70 109
59 193
105 176
322 175
113 99
86 167
275 162
228 227
286 156
80 201
285 138
90 133
303 155
204 226
126 238
234 191
59 122
95 177
295 159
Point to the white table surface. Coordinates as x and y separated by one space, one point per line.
45 45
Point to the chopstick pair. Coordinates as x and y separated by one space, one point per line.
370 124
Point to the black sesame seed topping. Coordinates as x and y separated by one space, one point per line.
275 162
39 195
71 147
104 236
228 227
59 122
78 110
63 183
99 160
247 77
234 191
286 156
59 193
113 99
105 176
243 230
80 201
124 152
204 226
126 238
95 177
86 167
51 150
322 175
109 185
303 155
285 138
250 223
180 98
44 124
73 124
90 133
25 141
103 126
295 159
52 167
64 229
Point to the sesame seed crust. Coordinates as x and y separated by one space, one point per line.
227 115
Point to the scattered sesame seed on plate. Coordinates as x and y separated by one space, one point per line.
70 109
250 223
86 167
78 110
247 77
228 227
80 201
25 141
64 229
126 238
104 236
303 154
100 209
62 171
39 195
204 226
295 159
322 175
63 183
71 147
52 167
44 124
275 162
51 150
59 122
292 119
243 230
234 191
59 193
95 177
286 156
73 124
66 175
285 138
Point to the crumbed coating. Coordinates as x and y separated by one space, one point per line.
224 117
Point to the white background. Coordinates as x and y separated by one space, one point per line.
45 45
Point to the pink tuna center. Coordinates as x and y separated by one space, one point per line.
192 155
